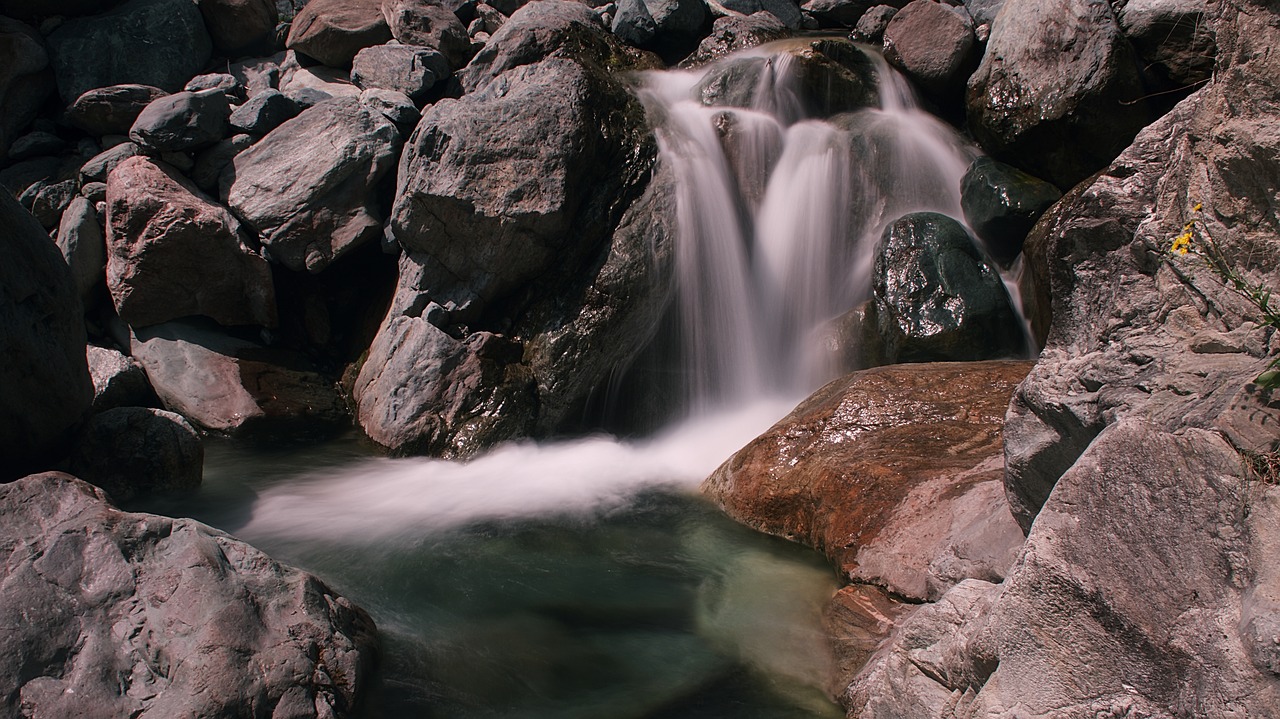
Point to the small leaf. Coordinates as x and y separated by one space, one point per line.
1269 379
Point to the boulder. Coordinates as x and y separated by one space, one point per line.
182 121
983 12
1001 203
310 86
307 214
430 24
226 384
668 27
173 252
239 28
258 74
229 84
263 113
83 247
111 110
736 32
118 380
26 80
933 46
99 167
162 43
333 31
46 383
1173 38
48 200
35 144
119 614
841 13
934 297
137 451
1060 116
872 24
404 68
894 473
829 75
211 162
788 11
395 106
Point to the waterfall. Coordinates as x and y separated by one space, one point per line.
778 211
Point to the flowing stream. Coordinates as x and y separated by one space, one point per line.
587 578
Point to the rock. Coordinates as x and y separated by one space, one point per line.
162 43
240 28
229 84
35 144
830 76
83 247
173 252
840 13
872 24
46 383
787 11
856 622
111 110
192 602
1059 116
427 23
668 27
333 31
933 47
25 79
50 199
118 380
258 74
1126 320
936 298
309 214
395 106
235 386
211 162
1001 203
263 113
736 32
136 451
94 192
983 12
1173 38
894 473
100 166
310 86
403 68
182 121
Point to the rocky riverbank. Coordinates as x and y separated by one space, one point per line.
450 224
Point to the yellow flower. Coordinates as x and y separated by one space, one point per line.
1196 207
1181 243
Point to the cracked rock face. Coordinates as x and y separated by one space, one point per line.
109 613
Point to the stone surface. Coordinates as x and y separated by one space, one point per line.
182 121
49 200
872 24
46 383
668 27
148 42
934 297
933 46
211 162
1173 38
431 24
1060 116
240 27
35 144
136 451
830 76
308 214
841 13
263 113
111 110
983 12
893 473
1001 203
229 84
119 614
788 11
83 246
173 252
736 32
395 106
333 31
408 69
99 167
118 380
309 86
235 386
26 80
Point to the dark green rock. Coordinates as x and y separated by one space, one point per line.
1001 203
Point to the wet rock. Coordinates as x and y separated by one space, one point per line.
1060 116
263 113
668 27
193 603
403 68
1173 38
136 451
226 384
309 214
933 46
736 32
182 121
81 242
26 80
333 31
787 11
894 473
111 110
46 383
1001 203
240 27
872 24
936 298
173 252
430 24
118 380
831 76
147 42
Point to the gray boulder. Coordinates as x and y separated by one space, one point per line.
46 383
118 380
309 213
408 69
1060 116
333 31
263 113
26 80
841 13
99 167
173 252
872 24
310 86
229 84
933 46
736 32
240 27
430 24
136 451
1001 203
1173 38
668 27
83 247
182 121
788 11
148 42
111 110
983 12
395 106
936 298
119 614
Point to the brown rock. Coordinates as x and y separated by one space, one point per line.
173 252
240 27
428 24
895 473
333 31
